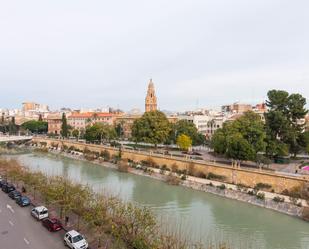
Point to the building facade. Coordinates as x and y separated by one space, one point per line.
236 108
151 99
213 125
34 107
200 121
80 121
54 123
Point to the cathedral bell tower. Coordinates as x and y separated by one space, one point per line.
151 99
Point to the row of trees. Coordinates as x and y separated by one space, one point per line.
104 217
34 126
282 133
154 128
38 127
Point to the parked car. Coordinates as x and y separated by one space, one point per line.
14 194
39 212
2 181
8 187
23 201
75 240
52 224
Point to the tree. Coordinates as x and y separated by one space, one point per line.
306 139
119 130
218 141
189 129
283 126
75 133
12 126
239 148
35 126
184 142
64 127
153 127
241 139
100 132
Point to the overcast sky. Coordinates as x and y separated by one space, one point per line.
198 52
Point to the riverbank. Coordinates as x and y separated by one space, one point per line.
200 215
280 183
279 203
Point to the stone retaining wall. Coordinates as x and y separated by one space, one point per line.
232 175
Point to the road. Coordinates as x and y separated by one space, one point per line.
19 230
14 138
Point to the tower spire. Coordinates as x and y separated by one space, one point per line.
151 99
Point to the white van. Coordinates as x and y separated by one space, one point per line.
40 212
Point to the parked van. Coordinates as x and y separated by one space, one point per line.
40 212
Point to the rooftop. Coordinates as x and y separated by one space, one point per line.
90 115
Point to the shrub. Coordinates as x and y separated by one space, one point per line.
86 150
295 192
260 196
222 187
251 192
106 155
72 148
164 167
151 163
172 180
123 166
191 169
174 167
293 200
278 199
44 150
305 213
200 174
183 177
261 185
43 144
241 186
212 176
90 157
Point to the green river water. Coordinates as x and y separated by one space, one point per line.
200 215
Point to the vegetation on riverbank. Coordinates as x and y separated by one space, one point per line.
107 220
250 138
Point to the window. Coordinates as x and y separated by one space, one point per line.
44 212
77 238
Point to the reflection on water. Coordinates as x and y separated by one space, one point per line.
202 215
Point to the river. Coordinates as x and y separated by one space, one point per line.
200 215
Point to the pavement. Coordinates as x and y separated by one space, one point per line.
19 230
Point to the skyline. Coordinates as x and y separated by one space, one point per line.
102 55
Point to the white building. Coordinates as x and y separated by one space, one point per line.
200 121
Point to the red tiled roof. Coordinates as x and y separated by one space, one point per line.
90 115
54 116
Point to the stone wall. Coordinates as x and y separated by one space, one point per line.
232 175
